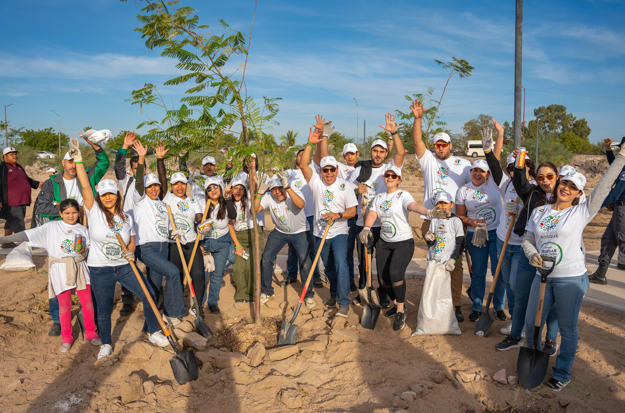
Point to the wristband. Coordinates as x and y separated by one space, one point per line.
78 162
340 215
240 246
390 139
368 227
311 144
287 188
395 133
257 197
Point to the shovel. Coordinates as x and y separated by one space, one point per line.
372 308
199 322
483 325
365 293
288 330
532 363
183 365
197 241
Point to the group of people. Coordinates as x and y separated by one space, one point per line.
351 204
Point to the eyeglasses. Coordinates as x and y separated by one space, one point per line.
213 187
441 145
550 177
391 176
329 169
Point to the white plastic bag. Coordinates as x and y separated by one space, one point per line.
436 310
209 263
20 259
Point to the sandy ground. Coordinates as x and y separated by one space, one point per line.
336 365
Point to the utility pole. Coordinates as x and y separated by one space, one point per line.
537 131
59 151
6 126
518 73
364 137
363 146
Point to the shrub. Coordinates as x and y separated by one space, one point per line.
549 149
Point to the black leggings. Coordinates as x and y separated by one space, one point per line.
197 270
392 260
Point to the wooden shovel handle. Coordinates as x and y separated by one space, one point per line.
187 277
314 264
503 249
539 308
197 240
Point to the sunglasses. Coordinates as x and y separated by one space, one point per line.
391 176
550 177
213 187
329 170
441 145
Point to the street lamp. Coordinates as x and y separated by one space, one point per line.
59 151
6 125
363 142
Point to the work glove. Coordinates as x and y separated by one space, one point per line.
205 230
178 235
438 213
284 181
129 255
365 236
487 139
364 199
450 265
74 151
512 207
430 236
327 129
263 188
480 236
536 260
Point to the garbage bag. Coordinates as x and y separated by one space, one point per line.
436 310
20 259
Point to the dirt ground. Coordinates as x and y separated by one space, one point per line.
335 366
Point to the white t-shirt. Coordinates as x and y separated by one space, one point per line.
481 202
242 222
508 193
331 198
446 231
297 181
558 234
448 176
72 190
220 226
245 177
184 211
289 219
57 238
376 186
151 220
129 196
345 172
393 214
105 250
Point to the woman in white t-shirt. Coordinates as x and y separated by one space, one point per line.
217 240
107 262
555 230
187 216
396 244
478 205
153 233
66 243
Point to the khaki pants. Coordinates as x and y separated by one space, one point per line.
456 274
243 271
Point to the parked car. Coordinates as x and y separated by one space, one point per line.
45 155
474 149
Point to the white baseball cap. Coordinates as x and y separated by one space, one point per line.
213 180
394 169
107 186
442 196
577 178
67 157
51 170
98 137
238 181
567 169
9 150
511 159
151 179
349 148
274 182
328 161
481 164
178 177
441 136
208 159
379 142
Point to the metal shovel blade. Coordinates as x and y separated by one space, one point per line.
373 297
364 297
532 367
199 322
485 322
184 367
370 316
288 334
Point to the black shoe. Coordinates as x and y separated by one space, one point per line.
9 245
550 347
598 277
126 310
331 302
353 287
287 281
214 309
391 313
620 266
385 302
556 385
55 330
239 301
474 316
509 343
317 284
459 315
400 321
356 301
501 315
343 312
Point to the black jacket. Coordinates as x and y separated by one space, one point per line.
4 176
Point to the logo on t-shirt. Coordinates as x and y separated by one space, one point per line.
298 184
440 244
183 206
68 247
443 172
389 229
549 223
328 195
159 208
457 162
479 195
386 205
488 214
342 187
551 249
182 224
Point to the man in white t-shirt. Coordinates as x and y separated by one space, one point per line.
335 202
441 172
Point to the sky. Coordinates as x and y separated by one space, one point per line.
83 58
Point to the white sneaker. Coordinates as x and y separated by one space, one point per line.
173 321
506 330
159 339
105 351
65 347
264 298
310 302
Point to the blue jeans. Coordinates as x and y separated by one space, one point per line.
292 261
220 250
103 280
155 256
275 242
333 254
568 293
509 269
351 243
479 266
525 274
54 310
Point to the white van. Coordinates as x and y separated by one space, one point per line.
474 149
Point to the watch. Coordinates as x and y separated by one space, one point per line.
340 215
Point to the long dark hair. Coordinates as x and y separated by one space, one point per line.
221 214
243 200
531 166
543 198
110 215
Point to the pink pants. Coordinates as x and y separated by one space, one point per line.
65 314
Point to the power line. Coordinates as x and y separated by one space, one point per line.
584 96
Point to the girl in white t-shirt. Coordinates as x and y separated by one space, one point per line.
555 230
396 244
107 262
478 205
66 243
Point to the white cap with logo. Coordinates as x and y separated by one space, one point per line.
567 169
151 179
98 137
441 136
208 159
8 150
350 148
274 182
178 177
481 164
395 170
442 196
577 178
379 142
107 186
329 161
214 180
67 157
238 181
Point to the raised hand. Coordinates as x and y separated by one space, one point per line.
320 121
391 126
160 150
487 139
129 140
327 129
499 129
74 151
140 149
228 191
93 145
607 142
315 136
417 109
283 180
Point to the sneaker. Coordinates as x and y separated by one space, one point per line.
459 315
318 284
509 343
400 321
343 311
501 315
55 330
391 313
105 351
356 301
385 302
214 309
96 341
331 302
310 302
172 320
475 315
287 281
126 310
550 347
353 287
65 347
264 298
506 330
159 339
556 385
